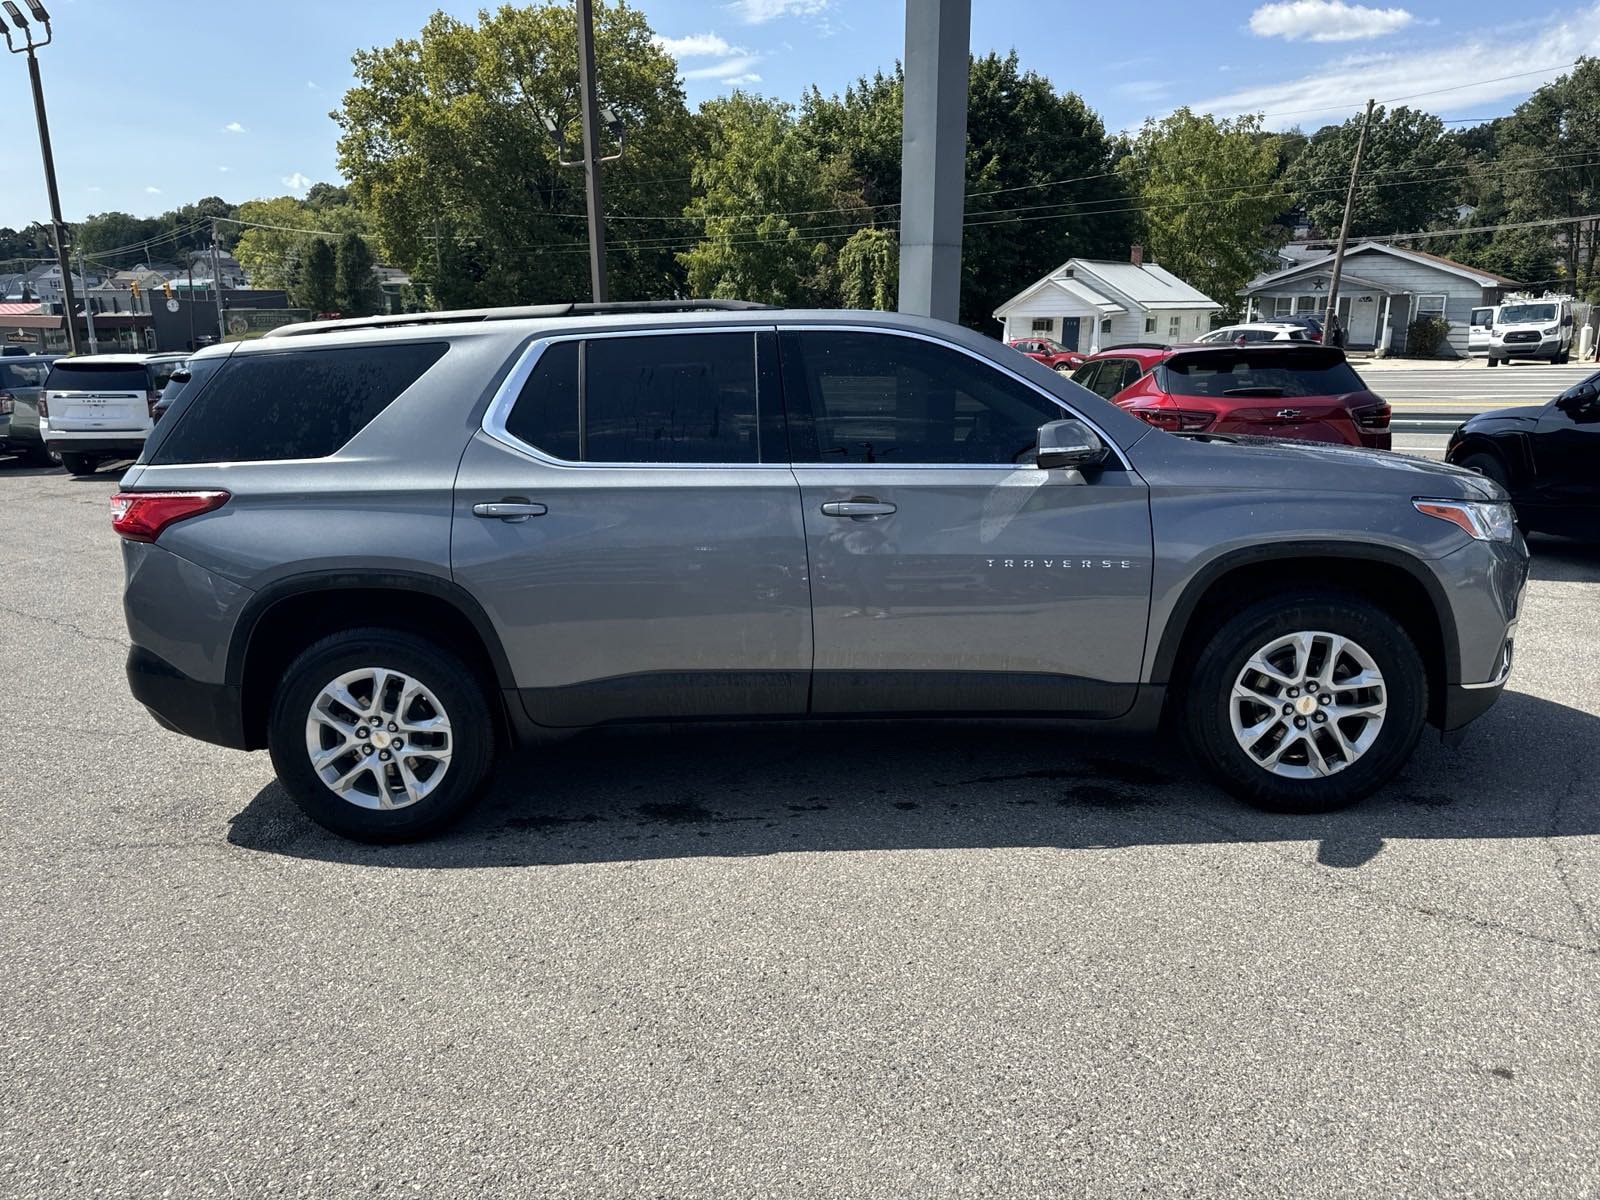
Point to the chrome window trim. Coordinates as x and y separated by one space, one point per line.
494 417
505 397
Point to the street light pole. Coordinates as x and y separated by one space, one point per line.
57 225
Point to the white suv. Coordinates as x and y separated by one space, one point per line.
97 407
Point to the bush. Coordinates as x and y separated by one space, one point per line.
1426 336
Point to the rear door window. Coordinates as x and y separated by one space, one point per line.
291 404
1261 373
98 377
18 377
665 398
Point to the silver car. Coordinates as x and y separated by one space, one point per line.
21 384
386 549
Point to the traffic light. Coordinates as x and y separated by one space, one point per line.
167 288
135 286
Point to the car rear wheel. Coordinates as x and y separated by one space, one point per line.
1489 466
1063 369
1306 704
80 464
1493 361
381 736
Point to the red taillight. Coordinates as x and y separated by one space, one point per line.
1174 420
1373 416
141 516
8 403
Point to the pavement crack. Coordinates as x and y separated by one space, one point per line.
58 623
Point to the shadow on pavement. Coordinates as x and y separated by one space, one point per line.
1560 560
654 792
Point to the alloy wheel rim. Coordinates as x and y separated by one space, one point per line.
1308 704
379 739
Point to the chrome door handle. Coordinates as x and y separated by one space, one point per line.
857 508
510 511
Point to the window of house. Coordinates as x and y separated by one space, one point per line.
1282 306
1044 325
1430 306
1105 325
1174 327
1149 324
880 398
1307 304
678 398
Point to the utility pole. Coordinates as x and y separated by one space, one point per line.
57 226
88 306
216 283
591 151
189 304
1344 236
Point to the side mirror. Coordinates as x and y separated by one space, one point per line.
1578 399
1069 443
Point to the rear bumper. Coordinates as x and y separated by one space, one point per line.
210 712
131 444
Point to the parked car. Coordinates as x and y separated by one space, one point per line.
1303 391
1312 324
1052 354
21 384
1546 455
1258 331
1528 328
176 375
1479 324
386 548
97 407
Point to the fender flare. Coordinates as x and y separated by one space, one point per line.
417 582
1178 622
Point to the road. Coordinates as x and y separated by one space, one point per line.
1435 399
852 960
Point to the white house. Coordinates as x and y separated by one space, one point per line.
1088 304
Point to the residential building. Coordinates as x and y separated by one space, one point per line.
1382 290
1089 304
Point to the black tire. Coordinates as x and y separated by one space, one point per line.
1493 361
40 456
1220 662
1488 465
1063 369
460 692
80 464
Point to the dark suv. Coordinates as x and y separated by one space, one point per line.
385 549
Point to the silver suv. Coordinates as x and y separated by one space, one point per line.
386 549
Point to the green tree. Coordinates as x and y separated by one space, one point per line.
1209 199
759 193
356 285
266 248
1410 176
869 270
317 287
444 136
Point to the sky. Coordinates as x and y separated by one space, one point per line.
157 103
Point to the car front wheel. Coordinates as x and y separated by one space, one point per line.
1306 704
381 736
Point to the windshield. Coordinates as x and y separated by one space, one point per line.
1523 314
1261 373
98 377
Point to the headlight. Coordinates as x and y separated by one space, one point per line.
1552 331
1486 522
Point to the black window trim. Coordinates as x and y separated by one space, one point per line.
890 331
494 417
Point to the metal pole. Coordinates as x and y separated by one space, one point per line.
58 226
88 305
934 156
1344 233
591 151
216 284
189 304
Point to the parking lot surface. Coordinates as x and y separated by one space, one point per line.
835 960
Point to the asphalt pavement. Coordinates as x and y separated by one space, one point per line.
845 960
1429 398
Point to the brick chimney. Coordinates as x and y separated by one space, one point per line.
1136 255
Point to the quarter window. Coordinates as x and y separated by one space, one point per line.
679 398
882 398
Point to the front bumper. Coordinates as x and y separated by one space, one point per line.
210 712
1466 702
1549 348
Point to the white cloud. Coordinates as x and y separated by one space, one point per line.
233 127
1453 78
1326 21
695 45
152 190
725 70
759 12
296 182
750 77
224 170
93 187
312 86
1144 89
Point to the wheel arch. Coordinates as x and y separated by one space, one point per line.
283 618
1513 449
1397 582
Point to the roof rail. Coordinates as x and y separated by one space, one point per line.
517 313
1137 346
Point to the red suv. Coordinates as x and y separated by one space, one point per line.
1052 354
1273 389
